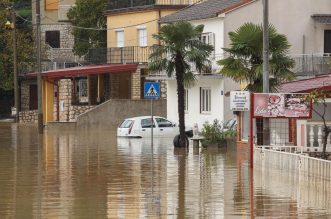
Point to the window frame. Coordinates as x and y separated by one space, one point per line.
120 44
142 37
205 100
165 124
53 38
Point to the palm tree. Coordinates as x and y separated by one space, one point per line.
180 48
245 59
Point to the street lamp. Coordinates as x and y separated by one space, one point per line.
12 26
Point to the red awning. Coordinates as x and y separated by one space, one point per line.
87 70
322 82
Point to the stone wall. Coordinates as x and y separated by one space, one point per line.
25 94
67 111
111 113
136 84
64 99
66 42
66 38
30 116
75 111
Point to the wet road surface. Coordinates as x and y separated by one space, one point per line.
81 174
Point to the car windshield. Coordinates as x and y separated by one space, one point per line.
163 122
126 124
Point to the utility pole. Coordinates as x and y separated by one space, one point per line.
12 25
39 80
13 18
266 126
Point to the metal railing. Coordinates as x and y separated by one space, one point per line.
312 64
118 55
298 163
121 4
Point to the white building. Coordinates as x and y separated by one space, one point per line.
206 100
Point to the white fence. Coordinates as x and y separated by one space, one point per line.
286 175
292 159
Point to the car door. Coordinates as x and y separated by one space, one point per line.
146 125
165 127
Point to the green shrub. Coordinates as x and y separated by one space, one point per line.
230 133
212 133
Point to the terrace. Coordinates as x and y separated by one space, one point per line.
130 4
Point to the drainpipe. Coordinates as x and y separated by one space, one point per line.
57 101
159 25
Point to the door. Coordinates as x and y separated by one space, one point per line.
33 98
166 128
146 125
327 41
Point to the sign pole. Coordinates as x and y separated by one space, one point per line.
251 142
152 91
152 123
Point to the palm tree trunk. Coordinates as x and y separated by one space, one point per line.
180 97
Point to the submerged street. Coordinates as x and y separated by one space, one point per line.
94 174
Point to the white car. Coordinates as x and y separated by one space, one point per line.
141 127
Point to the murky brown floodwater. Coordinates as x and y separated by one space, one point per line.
95 175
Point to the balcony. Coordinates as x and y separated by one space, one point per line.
118 55
129 4
312 64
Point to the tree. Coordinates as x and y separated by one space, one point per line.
90 28
24 48
245 59
179 49
318 97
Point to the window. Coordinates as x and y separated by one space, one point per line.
52 38
142 34
163 123
208 38
186 100
120 38
80 92
51 4
205 100
147 123
327 41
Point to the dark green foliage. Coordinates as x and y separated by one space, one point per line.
88 14
245 57
25 47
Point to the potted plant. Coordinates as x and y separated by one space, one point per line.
213 134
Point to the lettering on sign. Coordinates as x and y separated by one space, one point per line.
239 100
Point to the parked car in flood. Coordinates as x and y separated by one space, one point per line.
141 127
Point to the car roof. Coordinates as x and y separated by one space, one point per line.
142 117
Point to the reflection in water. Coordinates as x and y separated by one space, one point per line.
93 174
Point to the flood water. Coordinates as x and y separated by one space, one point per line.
81 174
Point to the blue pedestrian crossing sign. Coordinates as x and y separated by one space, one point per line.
152 90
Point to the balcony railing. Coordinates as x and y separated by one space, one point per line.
312 64
121 4
305 65
118 55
